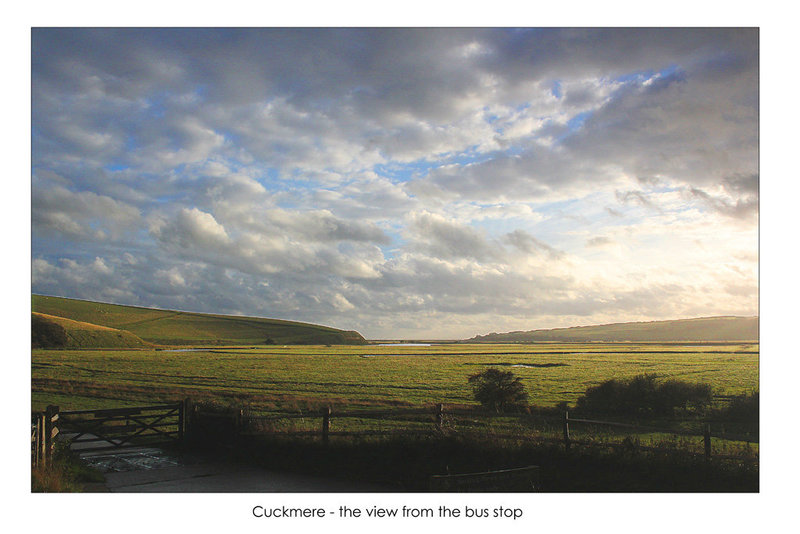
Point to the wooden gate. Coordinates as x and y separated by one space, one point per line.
44 429
123 427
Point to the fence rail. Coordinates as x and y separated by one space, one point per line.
644 428
519 479
162 423
436 419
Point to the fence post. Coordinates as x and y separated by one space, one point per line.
42 444
50 415
707 442
38 444
326 423
439 416
182 419
566 431
34 424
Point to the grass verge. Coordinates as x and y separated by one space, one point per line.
65 474
407 462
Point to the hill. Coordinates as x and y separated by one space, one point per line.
49 331
706 329
168 327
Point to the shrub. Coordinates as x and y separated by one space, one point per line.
743 410
680 395
498 390
644 395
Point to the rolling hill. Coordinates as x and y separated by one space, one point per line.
706 329
168 327
49 331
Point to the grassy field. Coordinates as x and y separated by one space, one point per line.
294 378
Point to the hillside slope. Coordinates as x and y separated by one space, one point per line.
707 329
49 331
167 327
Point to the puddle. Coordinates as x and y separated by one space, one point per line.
526 365
379 355
538 365
403 345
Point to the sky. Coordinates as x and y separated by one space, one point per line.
405 183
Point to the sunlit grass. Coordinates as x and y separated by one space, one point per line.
292 378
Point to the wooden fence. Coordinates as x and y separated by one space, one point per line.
170 423
640 428
437 420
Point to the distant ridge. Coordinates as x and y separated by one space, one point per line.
170 327
704 329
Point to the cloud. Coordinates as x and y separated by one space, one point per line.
192 229
636 197
741 208
445 238
81 215
529 244
599 241
399 180
321 225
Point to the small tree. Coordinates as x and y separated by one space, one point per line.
498 390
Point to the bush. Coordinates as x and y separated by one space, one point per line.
643 395
743 410
679 395
498 390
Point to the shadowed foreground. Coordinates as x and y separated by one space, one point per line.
150 470
228 478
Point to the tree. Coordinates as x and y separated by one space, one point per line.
498 390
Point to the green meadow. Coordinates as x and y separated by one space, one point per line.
278 379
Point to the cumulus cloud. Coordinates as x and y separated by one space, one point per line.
191 229
82 215
322 225
399 180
